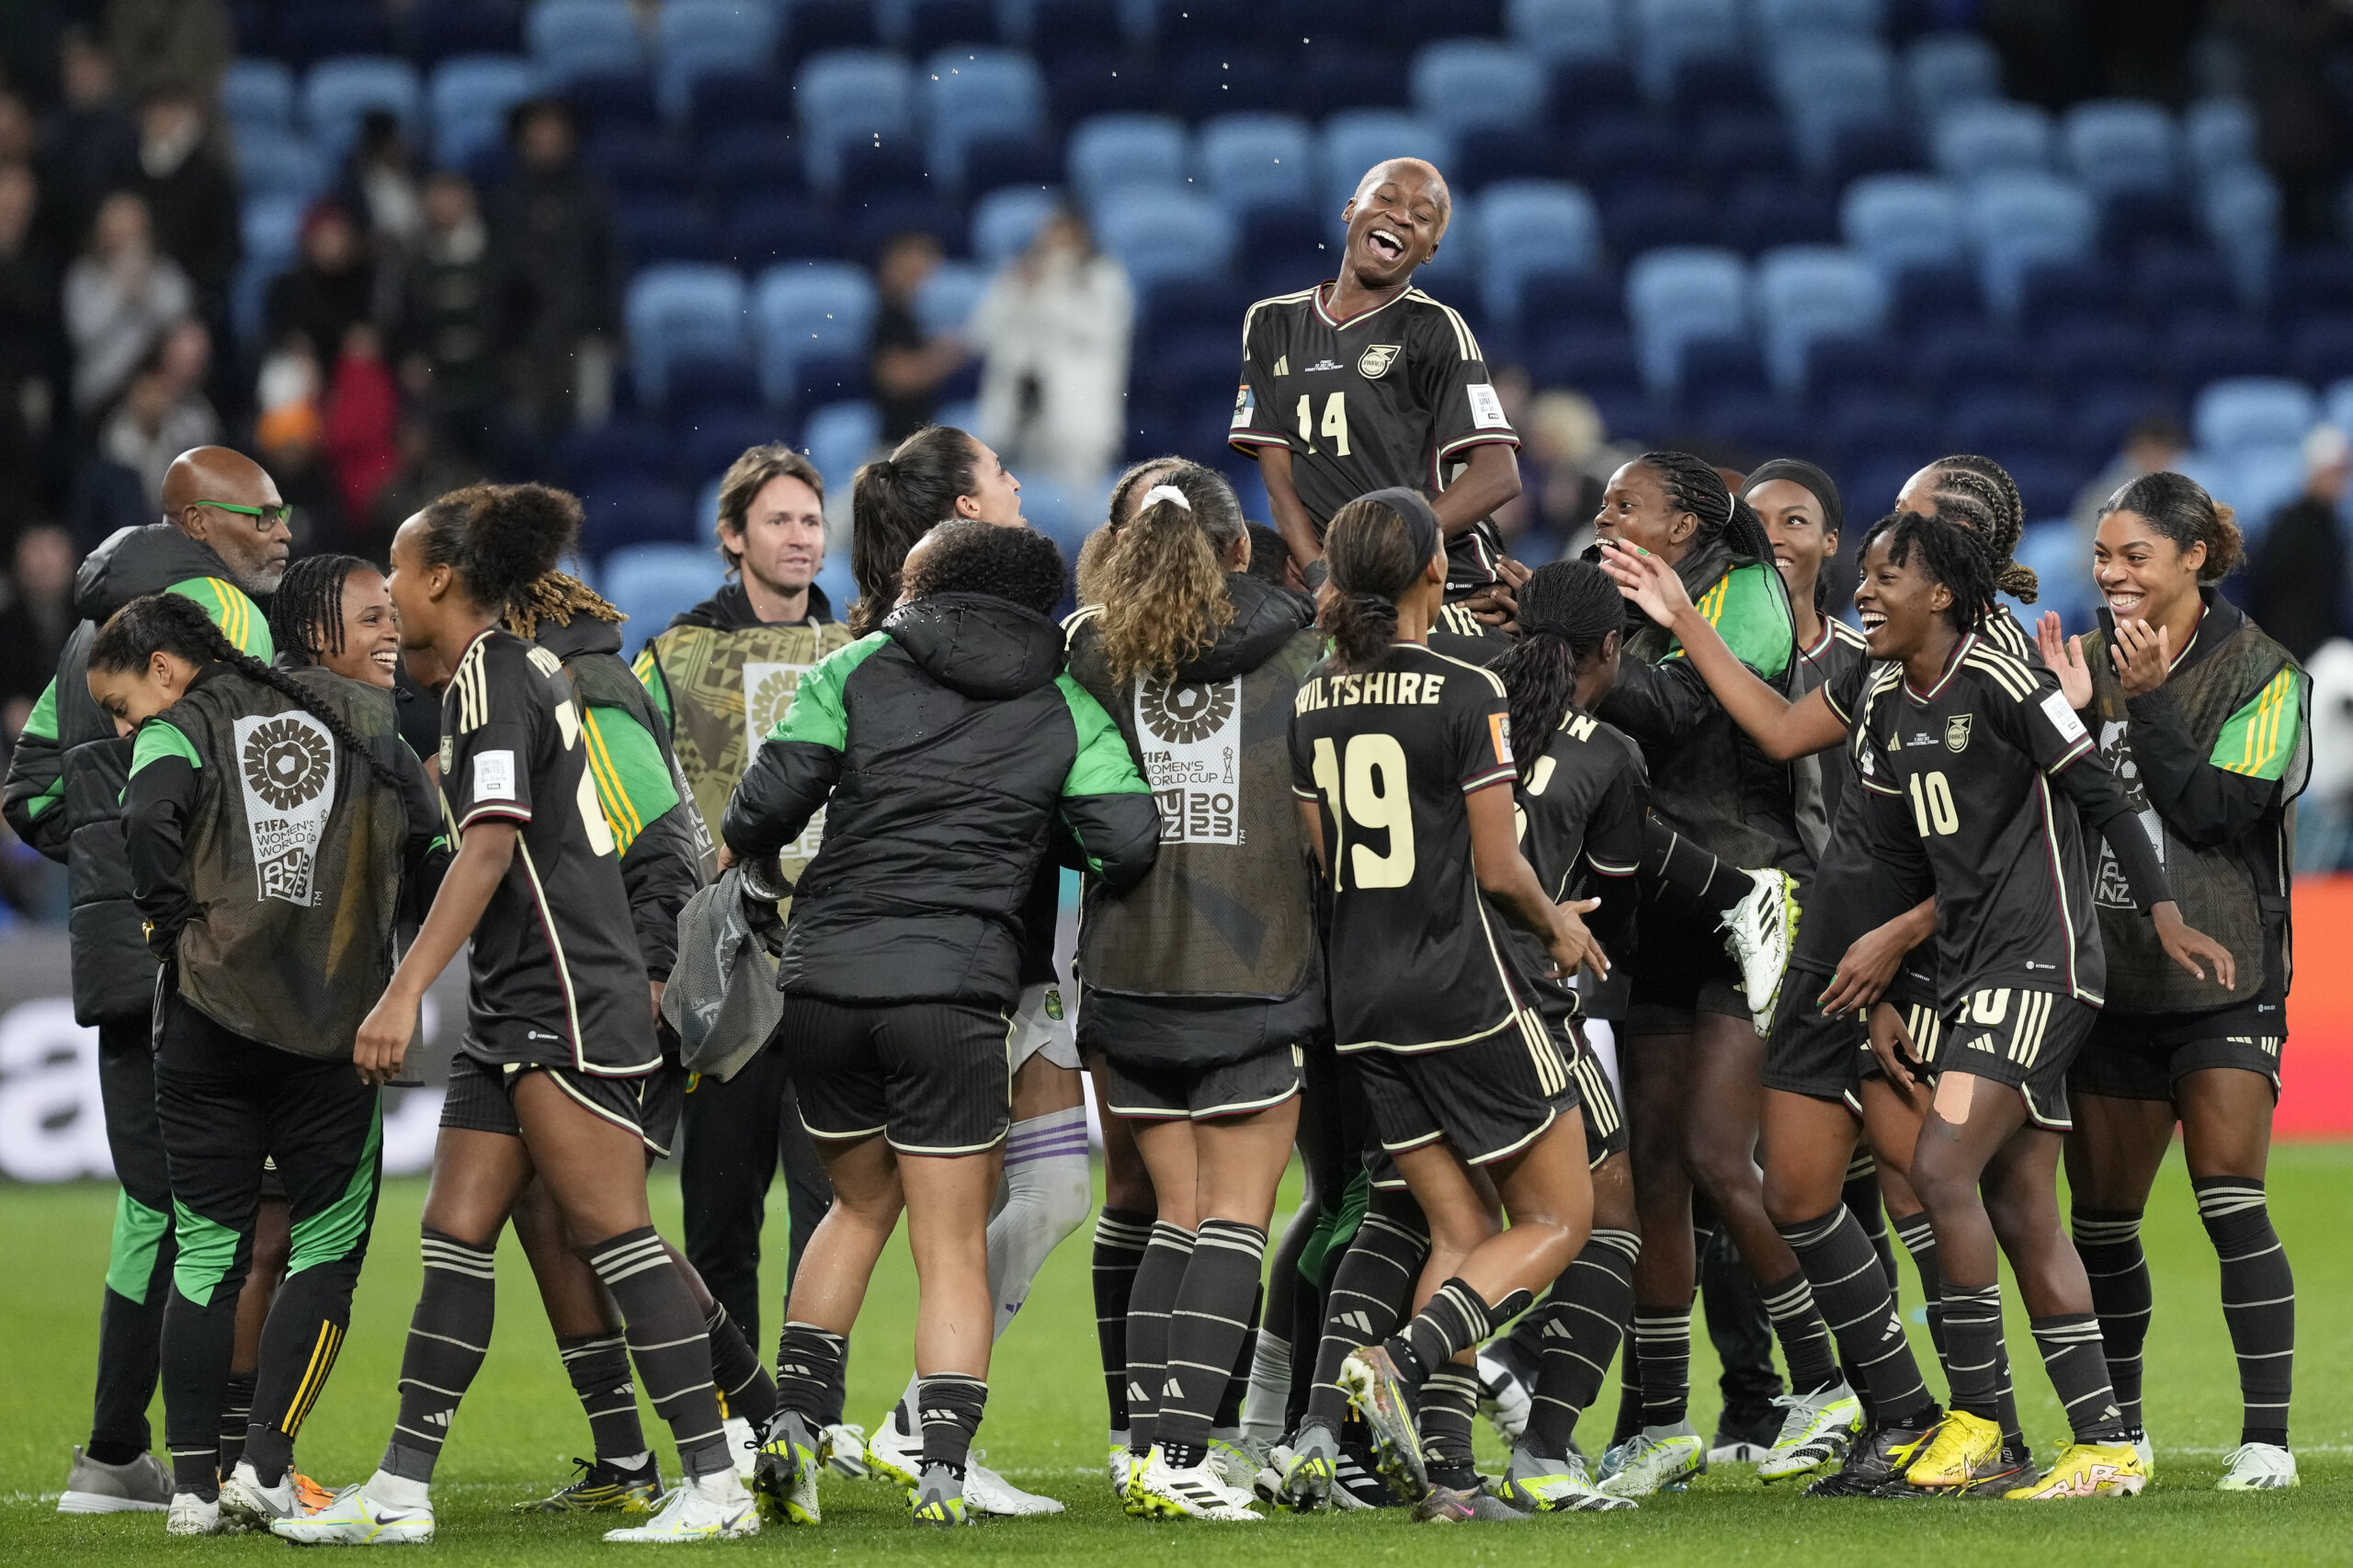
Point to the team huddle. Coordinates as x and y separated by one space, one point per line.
1571 927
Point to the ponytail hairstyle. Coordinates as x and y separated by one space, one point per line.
895 501
175 624
1951 552
557 596
1160 579
1098 545
1567 610
1693 485
1988 501
1373 556
500 538
306 612
2178 507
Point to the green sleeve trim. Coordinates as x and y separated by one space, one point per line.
819 715
634 782
648 670
1752 618
240 620
138 1237
207 1248
2263 736
333 1233
1102 765
157 739
41 724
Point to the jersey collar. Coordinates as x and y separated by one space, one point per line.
1953 663
1329 320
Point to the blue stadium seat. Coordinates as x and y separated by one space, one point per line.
973 92
1357 139
1944 71
277 163
2200 349
751 165
2241 209
665 228
1556 30
1827 86
469 98
258 95
2253 411
838 437
1904 220
1004 221
441 30
1041 25
1205 79
1778 19
305 34
2336 401
1528 227
2020 219
2219 135
947 298
1808 292
1160 235
1667 32
921 27
608 99
624 512
340 93
680 311
1256 159
2119 144
726 102
756 233
714 435
636 162
651 583
1979 139
706 390
270 227
1113 152
1681 295
846 96
700 38
1469 83
581 37
803 311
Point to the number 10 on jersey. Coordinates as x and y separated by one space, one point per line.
1367 787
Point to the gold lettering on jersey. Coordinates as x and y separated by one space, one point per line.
1374 362
1580 726
547 663
1393 689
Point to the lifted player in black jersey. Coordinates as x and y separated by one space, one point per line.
1364 382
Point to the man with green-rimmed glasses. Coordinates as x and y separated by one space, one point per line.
224 541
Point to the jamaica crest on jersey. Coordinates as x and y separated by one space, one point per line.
1957 731
1374 362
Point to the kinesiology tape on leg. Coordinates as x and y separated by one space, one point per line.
667 1342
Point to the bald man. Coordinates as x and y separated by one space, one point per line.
223 538
1364 382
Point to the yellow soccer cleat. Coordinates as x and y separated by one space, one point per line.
1965 1448
2086 1470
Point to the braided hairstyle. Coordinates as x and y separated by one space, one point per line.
1370 551
1989 501
1161 581
1952 552
306 613
1693 485
895 501
500 538
175 624
2178 507
1567 610
557 596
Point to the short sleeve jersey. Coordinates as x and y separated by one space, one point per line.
1839 652
1416 962
557 979
1972 758
1397 396
1580 810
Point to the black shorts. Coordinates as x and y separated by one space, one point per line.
1680 968
1489 1100
1256 1083
2141 1056
933 1077
1918 1003
481 1098
2028 1039
1810 1054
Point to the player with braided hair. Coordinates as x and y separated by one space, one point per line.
333 611
247 782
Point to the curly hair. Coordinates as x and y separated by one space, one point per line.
500 538
1020 566
1989 501
1693 485
1951 550
1371 552
2178 507
1161 581
306 613
895 501
1567 610
557 596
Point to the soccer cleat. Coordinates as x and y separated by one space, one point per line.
1163 1491
1457 1506
1357 1481
94 1486
703 1507
1876 1462
1744 1432
1234 1462
742 1444
1119 1468
844 1446
2015 1467
1819 1429
2259 1467
354 1519
986 1491
1966 1450
938 1498
1658 1459
602 1488
247 1504
893 1454
2086 1470
1503 1398
2146 1449
786 1483
1370 1379
1307 1469
1543 1485
192 1514
309 1495
1759 932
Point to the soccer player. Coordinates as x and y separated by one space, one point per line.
1364 382
559 1031
247 785
224 536
1204 981
942 745
1401 759
2202 718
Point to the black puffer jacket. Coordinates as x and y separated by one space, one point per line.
941 748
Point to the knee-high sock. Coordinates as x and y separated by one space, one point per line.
808 1364
1158 1278
2071 1355
1738 1325
1455 1319
951 1406
667 1342
2259 1300
1806 1338
1974 1347
1583 1324
1208 1325
236 1415
744 1384
1227 1422
1306 1339
1369 1295
308 1320
1119 1238
1663 1346
1670 857
1267 1387
1920 1240
1048 1194
2109 1241
447 1336
1450 1399
597 1365
1860 1195
1630 1382
1851 1288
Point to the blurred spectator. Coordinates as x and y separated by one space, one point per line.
33 624
426 471
906 364
191 194
379 185
1054 327
2295 587
2156 442
2288 52
185 43
85 140
447 337
163 413
330 287
362 407
1565 462
291 394
29 352
120 295
553 229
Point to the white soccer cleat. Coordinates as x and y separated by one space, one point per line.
1237 1462
844 1446
893 1454
986 1491
1503 1398
192 1514
2147 1451
743 1446
1658 1459
354 1519
1759 932
1535 1484
1196 1492
1818 1430
2259 1467
246 1504
705 1508
1119 1468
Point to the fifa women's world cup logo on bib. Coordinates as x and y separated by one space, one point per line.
767 696
286 767
1192 755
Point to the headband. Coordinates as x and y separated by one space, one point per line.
1166 492
1421 520
1800 472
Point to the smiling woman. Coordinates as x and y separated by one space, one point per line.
334 611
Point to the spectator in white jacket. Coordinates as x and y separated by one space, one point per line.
1054 327
121 295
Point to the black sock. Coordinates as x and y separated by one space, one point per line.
1806 1338
808 1360
1629 1385
1158 1278
951 1404
1457 1318
1919 1239
2071 1355
1581 1325
308 1320
745 1385
131 1337
1974 1357
236 1415
597 1365
199 1339
667 1342
1669 857
1306 1338
1119 1238
1732 1310
1208 1323
1861 1197
447 1336
1368 1297
1663 1344
2259 1300
1450 1399
2109 1241
1228 1417
1851 1289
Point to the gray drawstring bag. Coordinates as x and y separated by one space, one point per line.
721 998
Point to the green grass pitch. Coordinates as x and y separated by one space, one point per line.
520 1426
